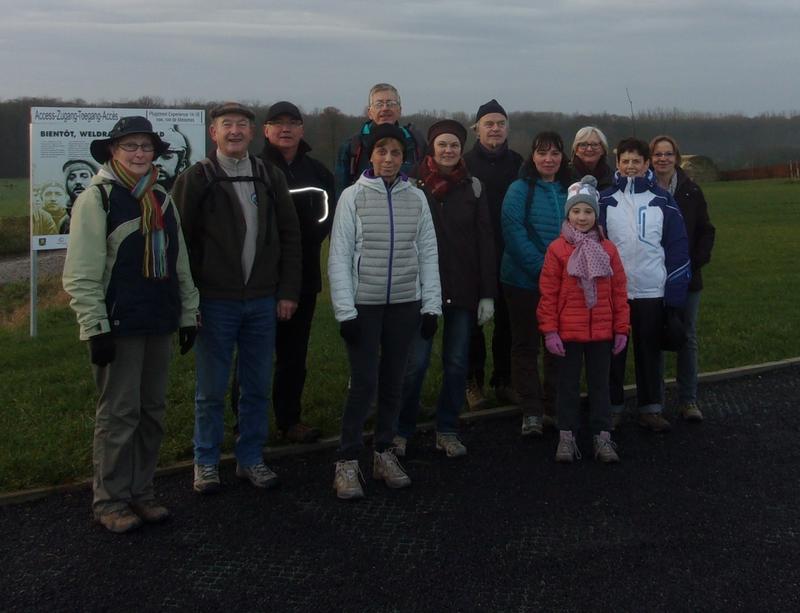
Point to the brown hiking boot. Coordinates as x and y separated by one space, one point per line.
476 401
123 520
302 433
690 412
149 511
654 422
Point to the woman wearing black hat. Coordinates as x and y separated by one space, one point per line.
128 275
464 235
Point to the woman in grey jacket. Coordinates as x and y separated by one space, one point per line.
384 276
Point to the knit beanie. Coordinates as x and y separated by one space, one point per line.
583 191
447 126
385 130
493 106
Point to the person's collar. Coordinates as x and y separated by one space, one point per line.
492 153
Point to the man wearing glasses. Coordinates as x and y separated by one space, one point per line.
312 189
383 107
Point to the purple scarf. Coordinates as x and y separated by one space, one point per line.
588 262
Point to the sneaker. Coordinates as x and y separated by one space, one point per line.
259 475
399 444
567 449
347 479
149 511
506 395
206 478
302 433
531 424
654 422
605 449
690 412
476 401
449 443
387 467
616 420
123 520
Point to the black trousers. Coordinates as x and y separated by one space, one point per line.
646 323
501 347
291 349
597 356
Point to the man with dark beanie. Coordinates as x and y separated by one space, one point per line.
497 166
312 188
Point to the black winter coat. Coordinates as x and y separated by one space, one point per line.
701 233
467 267
496 172
305 171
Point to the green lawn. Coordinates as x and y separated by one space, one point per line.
14 198
748 316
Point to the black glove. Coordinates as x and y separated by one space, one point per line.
430 323
102 349
350 331
186 338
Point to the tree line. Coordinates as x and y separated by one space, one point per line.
731 141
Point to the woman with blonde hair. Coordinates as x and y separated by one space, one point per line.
590 157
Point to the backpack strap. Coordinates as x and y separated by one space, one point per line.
476 187
104 190
533 235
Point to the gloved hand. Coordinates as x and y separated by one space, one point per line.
554 345
485 310
186 336
620 340
430 323
102 349
350 330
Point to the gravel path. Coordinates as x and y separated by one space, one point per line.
18 268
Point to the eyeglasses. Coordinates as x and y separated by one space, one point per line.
131 147
385 104
289 123
590 145
666 154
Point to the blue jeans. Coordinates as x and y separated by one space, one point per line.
687 356
248 326
458 324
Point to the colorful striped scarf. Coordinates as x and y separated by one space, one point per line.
154 262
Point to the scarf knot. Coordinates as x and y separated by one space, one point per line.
588 262
154 262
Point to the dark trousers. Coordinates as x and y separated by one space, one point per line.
646 323
377 360
537 394
291 349
597 356
501 347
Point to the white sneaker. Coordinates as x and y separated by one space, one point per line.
206 478
567 449
449 443
259 475
347 480
531 425
605 449
387 467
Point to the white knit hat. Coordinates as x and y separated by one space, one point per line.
584 190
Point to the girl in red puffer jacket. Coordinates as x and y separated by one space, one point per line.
583 314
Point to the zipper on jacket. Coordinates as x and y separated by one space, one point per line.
391 243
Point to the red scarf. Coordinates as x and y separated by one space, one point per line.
439 184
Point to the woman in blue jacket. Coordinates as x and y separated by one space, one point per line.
533 210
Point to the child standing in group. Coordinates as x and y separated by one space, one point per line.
583 313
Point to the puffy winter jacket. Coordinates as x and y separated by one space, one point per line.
383 248
562 307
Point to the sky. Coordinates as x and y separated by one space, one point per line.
570 56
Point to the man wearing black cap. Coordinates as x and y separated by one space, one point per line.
313 193
497 167
243 240
383 108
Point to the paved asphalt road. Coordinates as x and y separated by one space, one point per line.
704 518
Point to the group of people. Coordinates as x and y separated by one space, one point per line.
557 249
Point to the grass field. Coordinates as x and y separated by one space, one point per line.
748 315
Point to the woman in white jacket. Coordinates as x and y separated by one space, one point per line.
384 275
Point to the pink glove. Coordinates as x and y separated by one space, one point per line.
553 343
620 340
